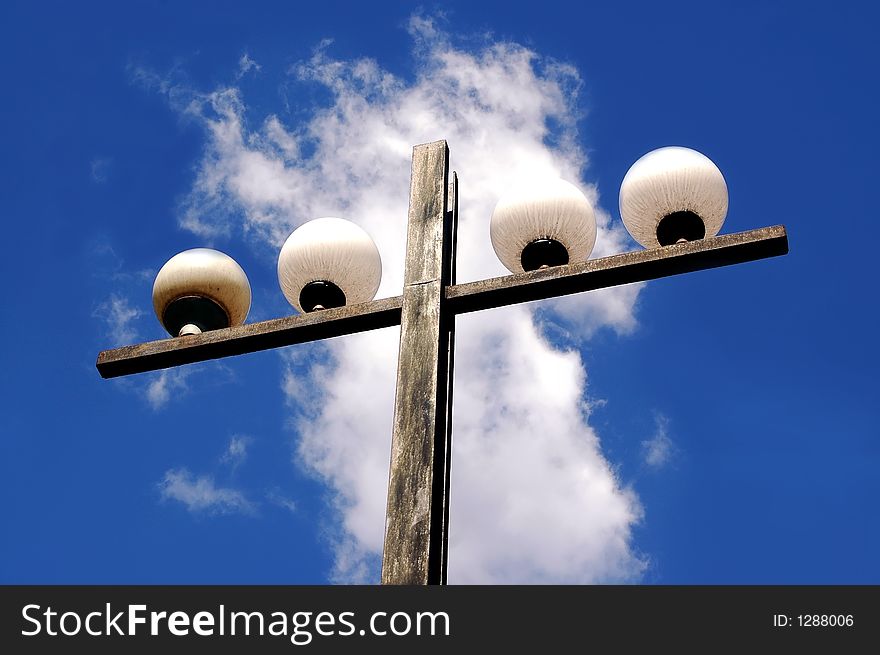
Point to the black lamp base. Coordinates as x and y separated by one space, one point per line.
680 226
543 252
202 312
321 295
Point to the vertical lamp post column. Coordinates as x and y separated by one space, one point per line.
418 490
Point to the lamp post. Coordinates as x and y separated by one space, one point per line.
671 195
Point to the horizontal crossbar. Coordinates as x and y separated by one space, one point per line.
593 274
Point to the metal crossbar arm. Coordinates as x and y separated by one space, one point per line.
462 298
625 268
248 338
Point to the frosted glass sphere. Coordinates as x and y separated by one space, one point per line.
547 222
329 262
199 290
673 194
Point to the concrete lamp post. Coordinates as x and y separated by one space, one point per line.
673 201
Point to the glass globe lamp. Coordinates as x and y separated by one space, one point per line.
545 223
199 290
672 195
329 262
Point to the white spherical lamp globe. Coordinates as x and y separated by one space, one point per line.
329 262
547 222
199 290
672 195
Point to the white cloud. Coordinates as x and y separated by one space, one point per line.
548 507
533 498
246 65
659 449
275 497
174 384
200 494
166 384
236 450
118 314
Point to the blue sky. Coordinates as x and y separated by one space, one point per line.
727 418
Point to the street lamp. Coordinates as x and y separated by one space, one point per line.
200 290
529 233
673 195
329 262
542 224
